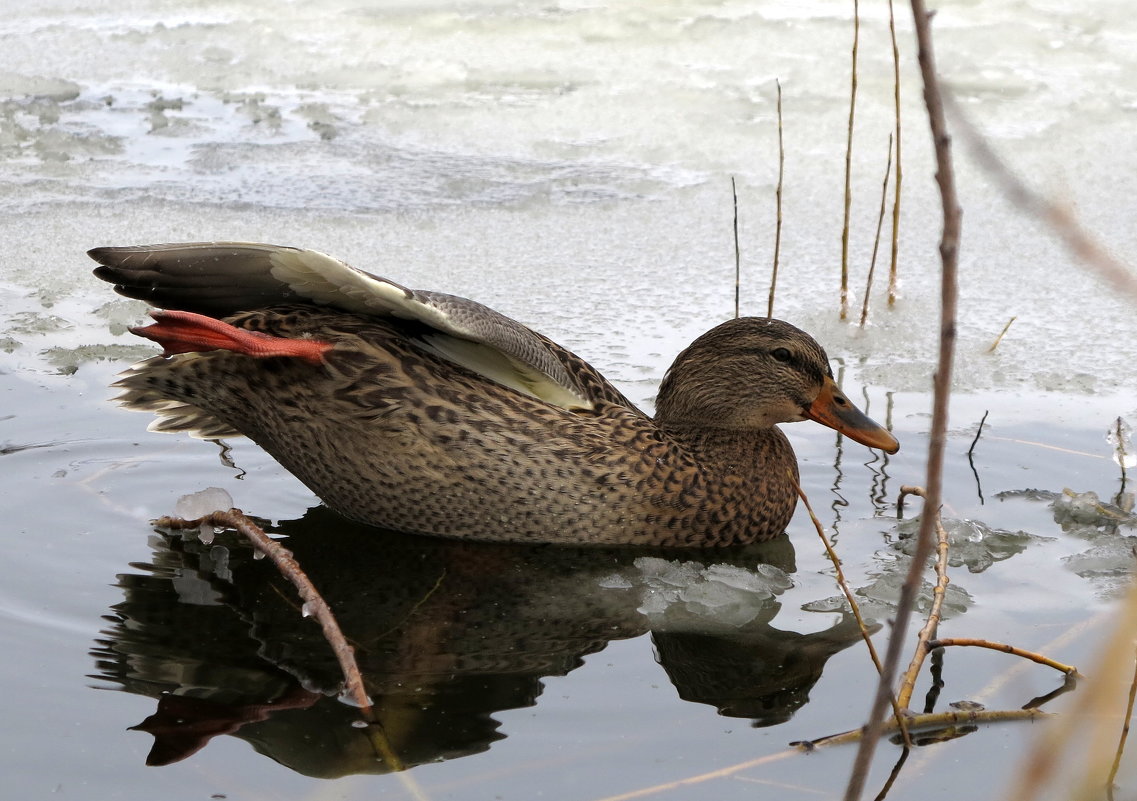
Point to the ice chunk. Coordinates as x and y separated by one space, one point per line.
688 595
1084 514
1109 556
971 543
615 582
665 572
878 599
199 504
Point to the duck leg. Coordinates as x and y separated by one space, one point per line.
187 332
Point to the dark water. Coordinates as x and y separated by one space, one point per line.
501 671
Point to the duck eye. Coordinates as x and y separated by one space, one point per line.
781 354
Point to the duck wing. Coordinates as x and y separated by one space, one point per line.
222 278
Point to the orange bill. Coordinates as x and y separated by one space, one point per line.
833 409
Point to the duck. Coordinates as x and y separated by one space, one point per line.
429 413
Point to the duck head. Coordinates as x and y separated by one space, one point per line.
755 372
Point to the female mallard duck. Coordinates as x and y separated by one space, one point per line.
431 413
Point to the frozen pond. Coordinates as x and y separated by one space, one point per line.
569 164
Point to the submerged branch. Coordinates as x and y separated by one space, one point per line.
314 604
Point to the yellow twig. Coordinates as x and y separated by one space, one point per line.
974 642
1002 334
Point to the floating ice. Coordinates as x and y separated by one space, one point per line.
880 597
1085 514
199 504
1108 556
686 594
615 582
970 542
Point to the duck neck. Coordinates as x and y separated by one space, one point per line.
749 453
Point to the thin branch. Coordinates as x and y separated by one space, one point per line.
778 200
1068 670
892 279
949 255
849 164
876 239
737 253
975 441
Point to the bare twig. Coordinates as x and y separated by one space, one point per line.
978 432
1069 670
849 164
876 239
899 164
737 253
778 200
949 254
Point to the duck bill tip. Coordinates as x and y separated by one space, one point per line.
833 409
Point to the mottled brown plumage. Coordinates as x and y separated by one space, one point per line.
433 414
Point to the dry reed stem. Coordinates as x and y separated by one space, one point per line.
778 201
737 252
849 164
1069 670
721 773
892 269
949 255
928 632
318 608
844 585
876 239
1124 729
1002 334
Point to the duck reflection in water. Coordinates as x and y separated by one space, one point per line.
446 633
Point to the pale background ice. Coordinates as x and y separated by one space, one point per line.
570 163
